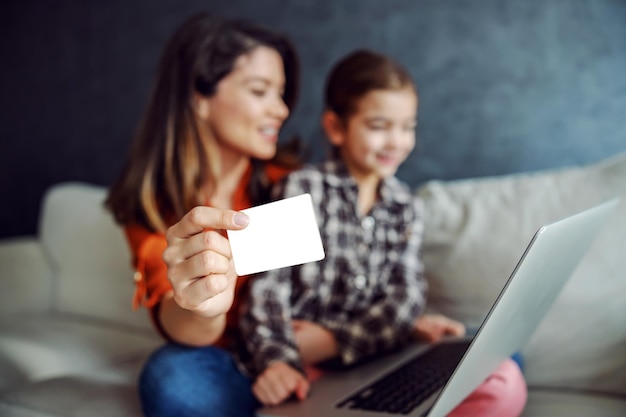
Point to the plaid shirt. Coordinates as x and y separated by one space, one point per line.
367 291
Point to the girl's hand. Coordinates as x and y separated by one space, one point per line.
432 327
315 343
278 382
199 260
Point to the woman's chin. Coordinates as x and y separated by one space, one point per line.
265 154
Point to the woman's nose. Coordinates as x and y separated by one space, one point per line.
279 109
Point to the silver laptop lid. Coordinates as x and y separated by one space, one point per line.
546 265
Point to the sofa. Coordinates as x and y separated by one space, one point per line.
71 345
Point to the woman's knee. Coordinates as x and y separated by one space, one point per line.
177 380
173 378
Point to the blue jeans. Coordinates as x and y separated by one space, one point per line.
194 382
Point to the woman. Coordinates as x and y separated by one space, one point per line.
207 146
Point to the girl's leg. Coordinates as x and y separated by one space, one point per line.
503 394
185 381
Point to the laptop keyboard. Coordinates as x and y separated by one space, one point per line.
401 390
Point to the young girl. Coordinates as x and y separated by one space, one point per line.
207 145
368 294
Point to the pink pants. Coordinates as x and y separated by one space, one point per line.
503 394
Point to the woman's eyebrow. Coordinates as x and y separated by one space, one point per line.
265 81
255 78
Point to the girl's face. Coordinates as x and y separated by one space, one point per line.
380 134
247 111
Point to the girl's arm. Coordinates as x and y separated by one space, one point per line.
315 342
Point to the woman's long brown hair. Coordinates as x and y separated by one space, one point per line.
168 161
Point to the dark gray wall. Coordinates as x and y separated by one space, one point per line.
505 85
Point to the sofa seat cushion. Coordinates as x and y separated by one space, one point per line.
39 346
475 233
554 403
105 392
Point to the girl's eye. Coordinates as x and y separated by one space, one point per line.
377 127
258 93
411 126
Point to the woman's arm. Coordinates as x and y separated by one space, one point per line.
202 274
187 276
187 327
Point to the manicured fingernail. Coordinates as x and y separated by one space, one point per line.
241 219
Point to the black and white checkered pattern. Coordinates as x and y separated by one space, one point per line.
367 291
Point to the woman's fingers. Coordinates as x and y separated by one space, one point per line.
211 260
208 240
200 218
207 288
190 236
200 278
198 258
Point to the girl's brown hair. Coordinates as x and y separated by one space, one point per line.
168 161
357 74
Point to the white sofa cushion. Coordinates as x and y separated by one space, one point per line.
89 254
39 346
476 231
110 392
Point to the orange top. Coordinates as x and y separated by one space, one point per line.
151 272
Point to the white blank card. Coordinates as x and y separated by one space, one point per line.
280 234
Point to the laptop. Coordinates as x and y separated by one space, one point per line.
397 384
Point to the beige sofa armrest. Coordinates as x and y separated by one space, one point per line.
25 276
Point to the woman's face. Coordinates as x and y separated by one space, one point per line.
380 134
247 110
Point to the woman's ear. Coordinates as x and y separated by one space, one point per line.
201 106
333 127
